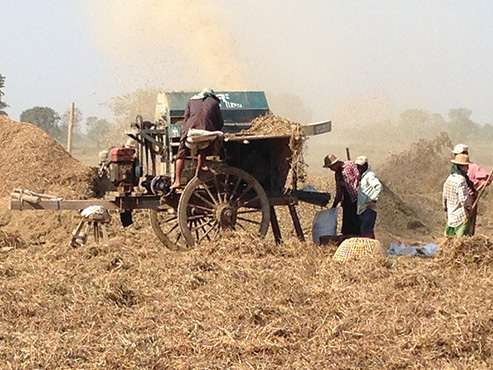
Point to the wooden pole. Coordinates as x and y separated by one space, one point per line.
347 154
70 127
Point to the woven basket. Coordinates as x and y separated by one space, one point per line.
354 248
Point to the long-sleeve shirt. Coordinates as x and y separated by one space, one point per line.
204 114
370 188
456 200
347 178
477 175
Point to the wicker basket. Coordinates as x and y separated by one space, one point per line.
354 248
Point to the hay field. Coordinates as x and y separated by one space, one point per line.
241 303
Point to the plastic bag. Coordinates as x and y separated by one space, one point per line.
324 223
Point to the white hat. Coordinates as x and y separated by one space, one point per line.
460 148
361 160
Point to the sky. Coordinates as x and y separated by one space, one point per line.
380 57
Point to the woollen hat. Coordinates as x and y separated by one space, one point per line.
330 160
361 160
460 148
462 159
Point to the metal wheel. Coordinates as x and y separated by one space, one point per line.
166 227
223 198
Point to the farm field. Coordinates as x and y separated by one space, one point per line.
239 302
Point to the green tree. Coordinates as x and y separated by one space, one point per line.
461 126
3 105
418 124
43 117
97 131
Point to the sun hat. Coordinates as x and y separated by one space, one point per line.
460 148
361 160
330 159
462 159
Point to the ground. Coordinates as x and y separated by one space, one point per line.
240 302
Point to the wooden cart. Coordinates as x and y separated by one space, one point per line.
237 190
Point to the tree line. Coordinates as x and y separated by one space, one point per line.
412 124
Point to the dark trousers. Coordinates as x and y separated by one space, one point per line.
368 218
350 219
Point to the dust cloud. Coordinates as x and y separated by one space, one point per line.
175 43
187 45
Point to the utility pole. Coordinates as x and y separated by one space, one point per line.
70 127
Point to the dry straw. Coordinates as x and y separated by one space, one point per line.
239 303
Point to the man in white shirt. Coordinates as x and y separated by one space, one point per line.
370 189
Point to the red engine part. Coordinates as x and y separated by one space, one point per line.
122 155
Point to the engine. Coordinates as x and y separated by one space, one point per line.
121 166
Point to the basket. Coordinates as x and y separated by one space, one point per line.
355 248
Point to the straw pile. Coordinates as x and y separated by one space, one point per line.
31 159
272 125
236 303
239 303
422 168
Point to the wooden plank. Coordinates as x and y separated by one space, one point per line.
254 137
123 203
285 200
17 205
316 128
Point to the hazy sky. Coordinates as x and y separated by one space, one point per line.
427 54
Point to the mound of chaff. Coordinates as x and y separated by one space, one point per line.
272 125
32 159
476 250
421 169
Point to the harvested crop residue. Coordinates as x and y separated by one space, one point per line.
133 304
272 125
238 302
422 168
32 159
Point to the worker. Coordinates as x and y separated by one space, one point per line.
201 112
477 178
370 189
347 180
456 200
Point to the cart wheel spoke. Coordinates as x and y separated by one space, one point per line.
228 198
166 227
209 192
206 201
206 233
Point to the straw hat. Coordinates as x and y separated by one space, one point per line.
330 160
462 159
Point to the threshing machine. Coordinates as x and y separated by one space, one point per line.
237 189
